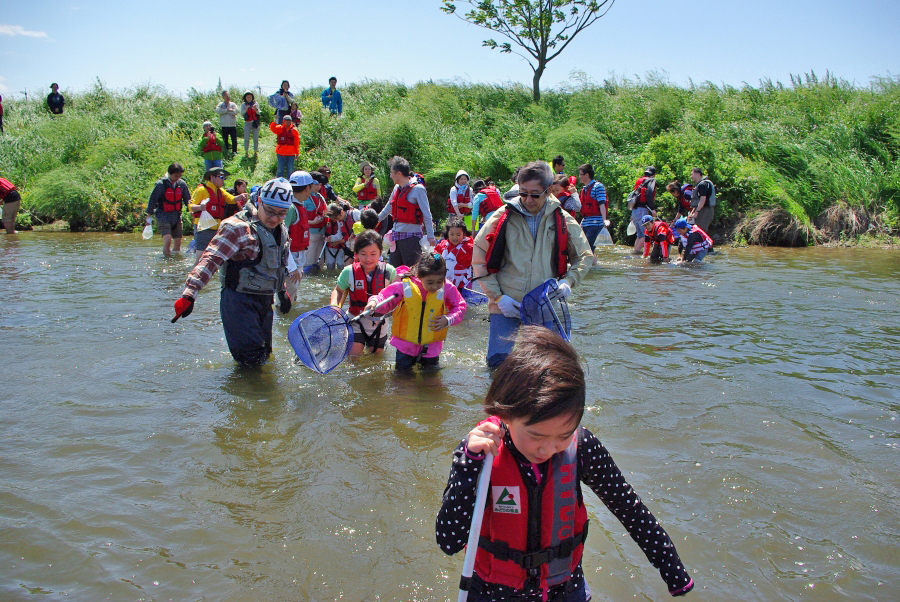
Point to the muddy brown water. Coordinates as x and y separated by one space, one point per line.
751 402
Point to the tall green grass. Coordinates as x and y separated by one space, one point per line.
801 147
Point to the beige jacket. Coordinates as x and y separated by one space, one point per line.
527 262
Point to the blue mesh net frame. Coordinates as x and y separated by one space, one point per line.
321 338
473 298
543 306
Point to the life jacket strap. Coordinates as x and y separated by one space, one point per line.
532 560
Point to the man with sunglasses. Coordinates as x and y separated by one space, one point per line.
254 247
530 256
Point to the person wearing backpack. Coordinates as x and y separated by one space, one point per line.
642 201
703 200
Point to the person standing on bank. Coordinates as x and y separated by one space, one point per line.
254 248
169 195
250 113
227 112
281 101
408 205
703 200
55 101
331 98
532 254
287 145
210 148
644 205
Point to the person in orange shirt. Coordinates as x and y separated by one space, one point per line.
287 145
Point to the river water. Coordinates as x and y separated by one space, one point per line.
752 402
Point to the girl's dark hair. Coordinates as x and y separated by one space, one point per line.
369 219
366 238
318 177
541 379
455 222
478 186
674 188
430 264
238 182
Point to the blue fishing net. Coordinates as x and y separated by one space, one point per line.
321 338
544 306
473 298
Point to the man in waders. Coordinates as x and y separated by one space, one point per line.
255 249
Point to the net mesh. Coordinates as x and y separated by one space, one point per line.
543 306
321 338
473 298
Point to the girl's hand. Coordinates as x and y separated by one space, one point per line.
485 437
439 323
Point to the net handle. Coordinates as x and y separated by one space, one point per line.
369 312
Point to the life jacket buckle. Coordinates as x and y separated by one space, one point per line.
534 560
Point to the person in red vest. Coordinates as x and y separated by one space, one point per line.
297 223
211 197
250 113
487 200
368 275
367 187
693 242
169 196
657 236
11 199
456 249
645 204
287 145
408 205
210 147
532 538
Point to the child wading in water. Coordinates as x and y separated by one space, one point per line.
367 276
456 249
428 305
535 521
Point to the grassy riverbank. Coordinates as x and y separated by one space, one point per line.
811 161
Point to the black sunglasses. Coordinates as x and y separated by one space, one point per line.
525 195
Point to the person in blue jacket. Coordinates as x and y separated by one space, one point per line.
331 98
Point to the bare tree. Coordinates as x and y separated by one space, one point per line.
541 28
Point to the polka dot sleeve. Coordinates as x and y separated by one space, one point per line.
600 473
455 515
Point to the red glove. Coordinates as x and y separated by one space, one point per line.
183 308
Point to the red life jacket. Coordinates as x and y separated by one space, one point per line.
515 508
704 245
6 187
331 228
319 210
285 138
492 202
252 115
368 193
216 204
404 211
684 202
493 259
466 198
172 196
361 289
463 255
589 205
659 230
299 230
211 144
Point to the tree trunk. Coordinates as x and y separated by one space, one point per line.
536 84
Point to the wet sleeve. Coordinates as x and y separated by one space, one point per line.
455 516
600 473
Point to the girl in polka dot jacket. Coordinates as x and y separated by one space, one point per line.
535 521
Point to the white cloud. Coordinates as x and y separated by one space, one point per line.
18 30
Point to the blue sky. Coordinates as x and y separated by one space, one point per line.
187 44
